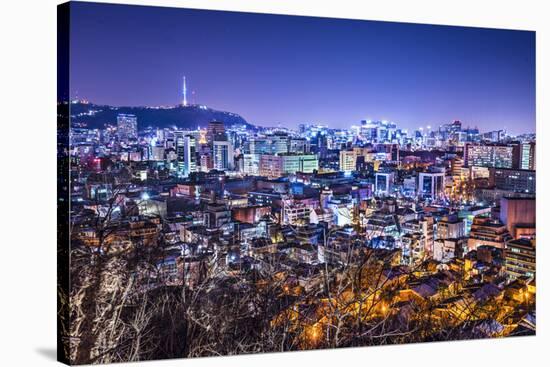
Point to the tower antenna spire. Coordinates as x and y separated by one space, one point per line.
184 92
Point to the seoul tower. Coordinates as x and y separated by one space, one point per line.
184 92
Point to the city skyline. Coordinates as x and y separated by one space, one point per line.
328 71
351 183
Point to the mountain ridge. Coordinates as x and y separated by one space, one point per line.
92 115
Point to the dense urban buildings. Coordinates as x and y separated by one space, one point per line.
441 220
300 224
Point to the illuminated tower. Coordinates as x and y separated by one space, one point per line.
184 92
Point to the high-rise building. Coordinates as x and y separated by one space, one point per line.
457 165
322 145
306 163
493 155
157 153
190 154
127 127
348 160
279 143
456 126
222 153
369 130
391 151
205 160
431 184
378 131
383 182
506 156
251 163
528 156
515 180
216 131
479 155
298 145
179 143
494 136
258 145
273 166
520 256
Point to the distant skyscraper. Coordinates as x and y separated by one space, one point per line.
222 155
298 145
205 160
184 92
258 145
456 126
127 127
494 136
190 154
279 143
180 151
186 151
322 145
216 131
157 153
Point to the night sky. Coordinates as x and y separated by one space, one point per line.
288 70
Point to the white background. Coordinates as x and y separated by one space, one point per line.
28 186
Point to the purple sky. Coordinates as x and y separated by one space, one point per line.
289 70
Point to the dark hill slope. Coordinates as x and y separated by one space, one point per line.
190 117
